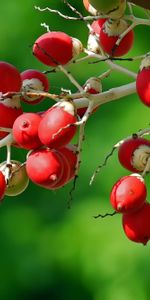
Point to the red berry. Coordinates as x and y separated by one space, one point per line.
10 79
128 194
9 111
56 48
44 167
137 225
34 80
25 131
133 154
109 35
51 132
143 85
2 186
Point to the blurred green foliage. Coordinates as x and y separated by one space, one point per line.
48 251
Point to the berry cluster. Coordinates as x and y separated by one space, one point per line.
129 193
52 161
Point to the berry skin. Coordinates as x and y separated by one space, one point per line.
10 79
44 167
56 48
143 86
9 110
34 80
137 225
128 194
133 154
2 186
109 35
70 152
69 159
25 131
97 25
18 181
64 178
57 117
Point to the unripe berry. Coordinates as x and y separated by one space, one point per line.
18 180
133 154
56 128
25 131
34 80
143 81
128 193
10 79
109 35
137 225
114 9
56 48
44 167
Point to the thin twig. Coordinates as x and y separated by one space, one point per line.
105 215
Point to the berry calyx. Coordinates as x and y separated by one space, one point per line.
137 225
128 193
34 80
134 153
56 48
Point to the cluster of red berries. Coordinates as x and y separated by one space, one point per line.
105 36
129 193
52 161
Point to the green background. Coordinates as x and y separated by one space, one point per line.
46 250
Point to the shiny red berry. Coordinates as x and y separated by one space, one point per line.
137 225
25 131
56 128
56 48
128 193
